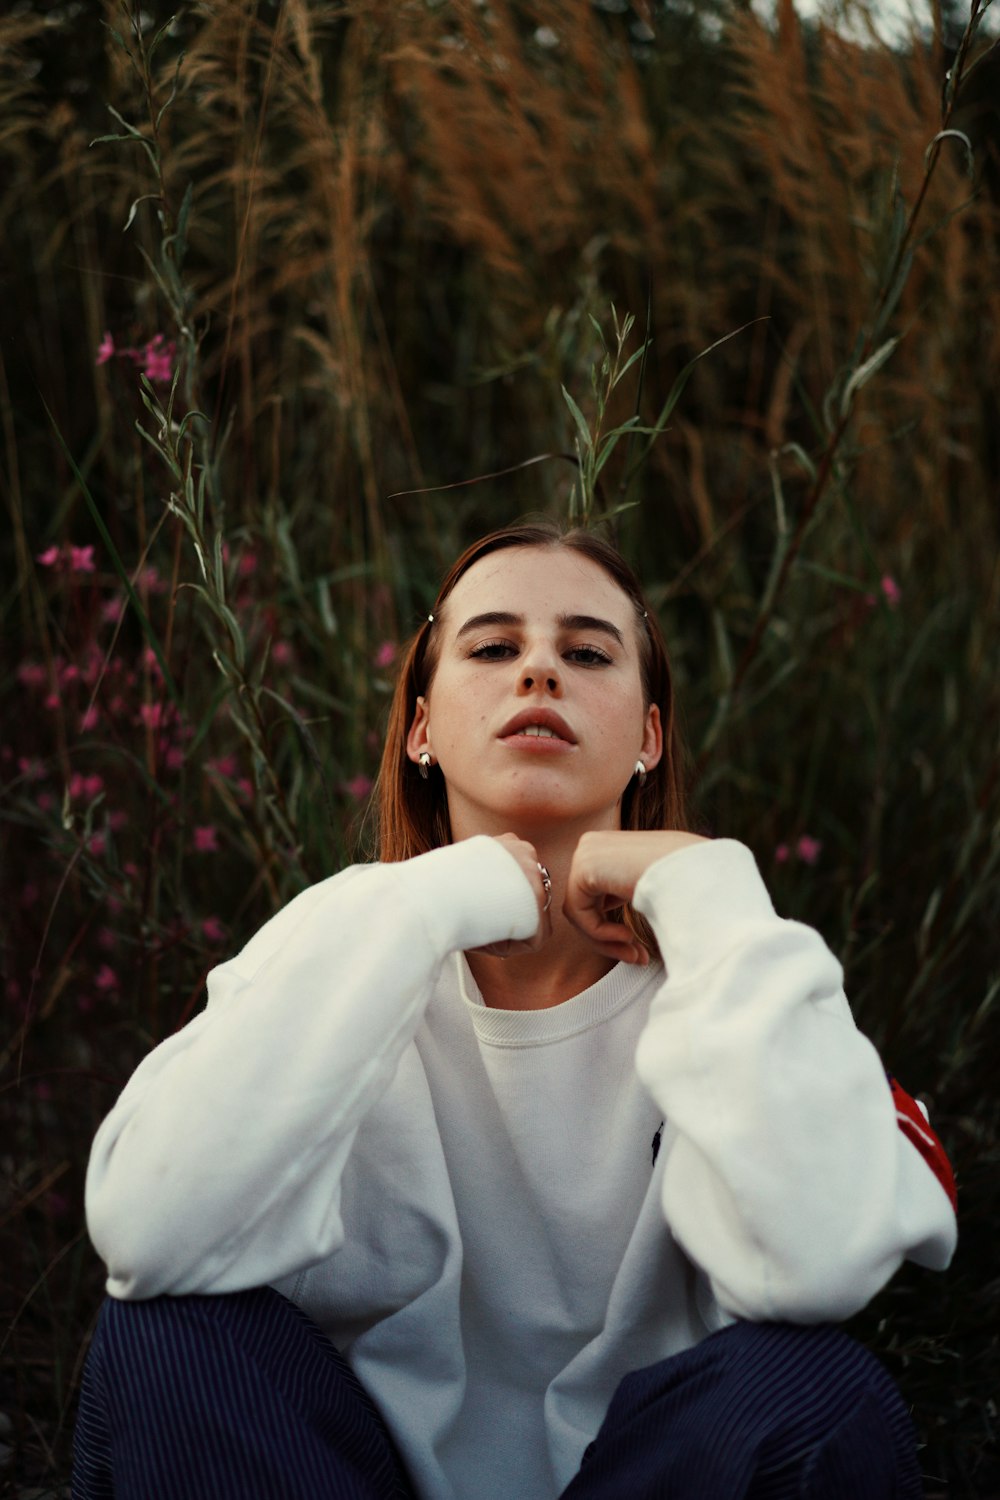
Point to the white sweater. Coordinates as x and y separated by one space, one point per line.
466 1200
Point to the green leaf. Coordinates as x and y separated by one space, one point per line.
611 438
722 646
168 458
178 240
957 135
99 139
158 38
172 95
579 419
220 566
208 718
864 373
131 129
856 585
798 452
117 36
146 198
597 329
636 354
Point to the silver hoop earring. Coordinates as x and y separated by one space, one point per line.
424 764
640 773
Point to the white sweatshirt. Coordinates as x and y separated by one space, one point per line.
466 1200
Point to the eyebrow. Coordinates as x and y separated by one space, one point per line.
565 622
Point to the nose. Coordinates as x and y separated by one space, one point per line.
540 669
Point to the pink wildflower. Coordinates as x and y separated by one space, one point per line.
781 854
808 849
112 610
49 558
151 714
92 665
282 653
891 591
105 349
117 820
106 978
247 565
158 359
81 559
97 844
52 701
358 787
31 768
89 719
386 654
213 930
31 674
226 765
67 672
206 839
173 757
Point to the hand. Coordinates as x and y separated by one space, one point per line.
527 857
605 871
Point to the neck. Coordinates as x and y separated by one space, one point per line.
537 981
565 966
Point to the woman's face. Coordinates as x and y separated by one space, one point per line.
536 713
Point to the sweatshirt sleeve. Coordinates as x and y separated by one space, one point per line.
789 1182
219 1167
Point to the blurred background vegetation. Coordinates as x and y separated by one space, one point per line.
342 259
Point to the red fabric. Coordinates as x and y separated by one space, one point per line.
913 1123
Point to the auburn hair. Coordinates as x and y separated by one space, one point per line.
412 813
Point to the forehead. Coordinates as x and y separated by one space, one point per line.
536 581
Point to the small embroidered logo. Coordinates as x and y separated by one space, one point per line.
656 1141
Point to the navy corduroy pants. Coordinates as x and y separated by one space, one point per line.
241 1397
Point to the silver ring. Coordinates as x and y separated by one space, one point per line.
546 887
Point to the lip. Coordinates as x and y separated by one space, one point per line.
544 718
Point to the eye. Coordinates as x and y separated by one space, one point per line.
492 650
589 656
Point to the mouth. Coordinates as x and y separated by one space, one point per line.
538 724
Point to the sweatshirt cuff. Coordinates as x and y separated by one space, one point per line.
700 900
469 893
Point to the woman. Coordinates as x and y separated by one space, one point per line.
577 1218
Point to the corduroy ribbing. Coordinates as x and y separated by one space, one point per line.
759 1411
226 1398
242 1398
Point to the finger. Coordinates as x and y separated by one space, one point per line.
588 913
631 952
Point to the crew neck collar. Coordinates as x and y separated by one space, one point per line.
535 1028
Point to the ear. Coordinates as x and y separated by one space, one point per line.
652 738
418 739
